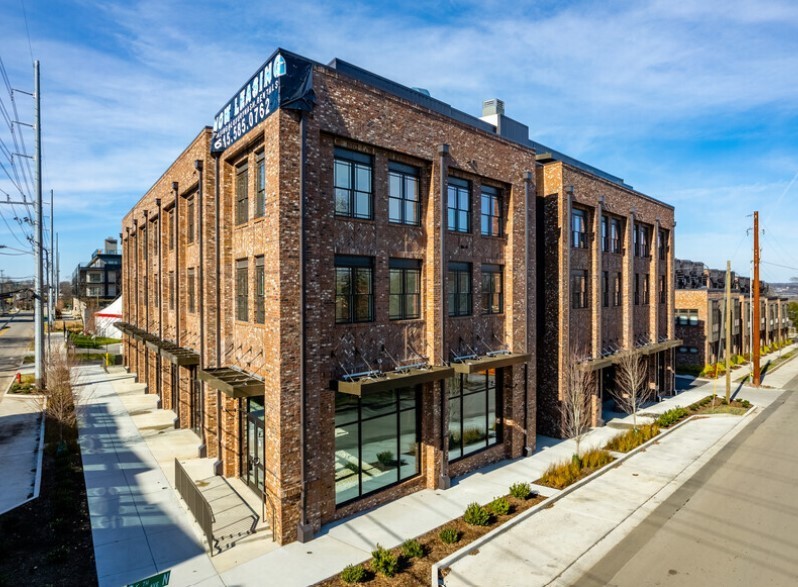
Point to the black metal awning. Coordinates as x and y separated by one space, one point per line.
650 349
380 381
490 361
123 327
178 355
232 382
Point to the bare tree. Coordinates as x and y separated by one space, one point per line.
631 375
58 397
577 398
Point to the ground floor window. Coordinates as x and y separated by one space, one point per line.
474 411
376 441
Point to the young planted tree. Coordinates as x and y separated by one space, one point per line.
59 401
631 375
577 398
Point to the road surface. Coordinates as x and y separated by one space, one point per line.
735 523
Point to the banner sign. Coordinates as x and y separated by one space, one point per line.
285 81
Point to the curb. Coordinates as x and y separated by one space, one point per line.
438 581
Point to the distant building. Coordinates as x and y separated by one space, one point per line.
700 315
99 279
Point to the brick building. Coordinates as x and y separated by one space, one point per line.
700 315
336 287
606 260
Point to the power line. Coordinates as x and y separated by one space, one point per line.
27 30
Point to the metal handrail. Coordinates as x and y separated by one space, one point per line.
196 502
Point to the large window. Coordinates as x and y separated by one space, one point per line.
404 206
605 234
686 317
637 289
615 235
171 229
459 205
353 184
474 413
354 289
242 290
171 290
578 289
190 220
260 185
458 283
492 289
646 289
616 301
662 244
405 289
242 193
663 290
260 291
578 229
376 441
642 239
491 211
192 292
605 289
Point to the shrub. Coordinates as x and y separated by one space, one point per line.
520 490
595 458
476 515
412 548
500 506
670 417
385 458
745 403
449 535
354 574
633 438
561 475
384 561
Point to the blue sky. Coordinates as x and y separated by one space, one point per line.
694 103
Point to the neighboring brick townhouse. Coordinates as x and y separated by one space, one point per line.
338 288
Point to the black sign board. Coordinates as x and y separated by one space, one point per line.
284 81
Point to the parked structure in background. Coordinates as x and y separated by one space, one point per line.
339 288
100 279
700 311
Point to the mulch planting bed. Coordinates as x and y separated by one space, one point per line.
48 540
417 571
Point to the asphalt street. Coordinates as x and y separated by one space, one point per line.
734 523
14 342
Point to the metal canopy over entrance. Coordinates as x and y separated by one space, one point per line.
232 382
178 355
495 360
379 381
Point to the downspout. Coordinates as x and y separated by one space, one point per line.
218 249
175 285
159 375
444 482
198 166
304 530
527 203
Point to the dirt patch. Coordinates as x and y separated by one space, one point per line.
48 540
417 571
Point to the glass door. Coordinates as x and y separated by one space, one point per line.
255 441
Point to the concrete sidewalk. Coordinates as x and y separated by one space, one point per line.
556 545
138 526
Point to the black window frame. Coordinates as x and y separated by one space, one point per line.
579 294
354 161
260 289
617 290
260 185
615 235
646 289
459 302
242 290
190 220
605 234
637 289
458 189
662 244
192 290
405 174
663 289
495 202
403 269
491 276
350 268
578 237
460 396
242 193
605 289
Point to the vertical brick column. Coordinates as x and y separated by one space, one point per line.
564 322
628 283
653 286
596 282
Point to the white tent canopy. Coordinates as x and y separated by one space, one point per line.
104 319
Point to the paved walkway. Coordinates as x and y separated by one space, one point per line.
556 545
140 527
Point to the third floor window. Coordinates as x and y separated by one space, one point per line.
404 206
459 205
490 211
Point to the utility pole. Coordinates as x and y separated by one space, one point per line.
728 331
755 326
51 276
37 248
57 271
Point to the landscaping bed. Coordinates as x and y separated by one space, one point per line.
411 569
26 385
47 541
711 404
561 475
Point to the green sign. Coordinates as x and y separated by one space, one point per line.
159 580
